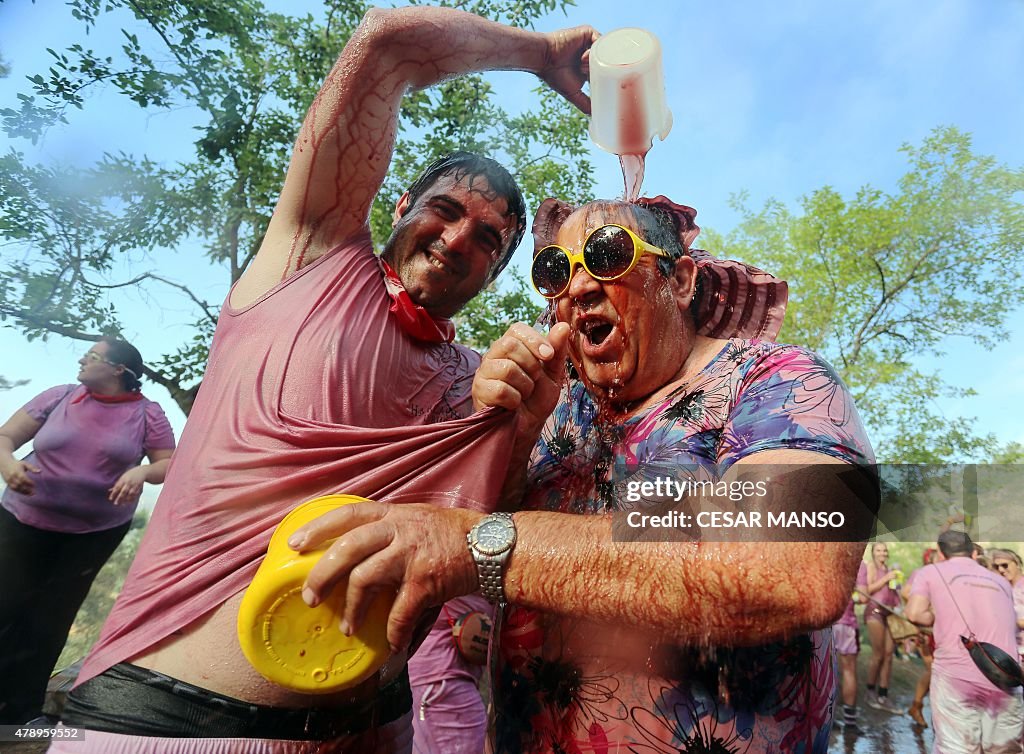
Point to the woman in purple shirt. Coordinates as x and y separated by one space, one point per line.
67 506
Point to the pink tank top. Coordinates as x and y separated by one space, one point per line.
311 390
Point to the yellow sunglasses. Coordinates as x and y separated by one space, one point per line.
609 252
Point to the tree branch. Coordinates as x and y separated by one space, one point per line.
199 81
205 306
184 397
46 324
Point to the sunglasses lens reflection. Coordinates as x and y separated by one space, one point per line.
609 252
550 271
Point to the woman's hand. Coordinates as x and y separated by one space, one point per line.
128 488
16 475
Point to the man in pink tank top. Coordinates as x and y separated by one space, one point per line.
959 597
332 370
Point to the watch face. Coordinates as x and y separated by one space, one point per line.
495 535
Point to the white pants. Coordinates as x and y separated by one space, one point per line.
978 721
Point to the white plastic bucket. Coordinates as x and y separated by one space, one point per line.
627 92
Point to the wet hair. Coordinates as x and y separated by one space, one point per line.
461 165
953 543
651 224
123 353
656 227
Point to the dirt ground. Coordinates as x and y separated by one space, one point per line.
884 733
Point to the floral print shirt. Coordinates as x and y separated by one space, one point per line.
570 686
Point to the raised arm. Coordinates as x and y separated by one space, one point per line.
523 372
346 142
876 584
919 611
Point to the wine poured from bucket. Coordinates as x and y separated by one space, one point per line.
627 97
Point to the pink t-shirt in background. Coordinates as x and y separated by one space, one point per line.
1018 606
849 617
82 448
313 389
959 585
886 595
437 658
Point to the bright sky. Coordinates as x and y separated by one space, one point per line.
776 99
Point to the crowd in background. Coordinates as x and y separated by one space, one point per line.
882 592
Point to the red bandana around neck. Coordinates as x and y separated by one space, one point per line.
122 398
414 320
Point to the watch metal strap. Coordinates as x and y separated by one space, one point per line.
491 581
490 568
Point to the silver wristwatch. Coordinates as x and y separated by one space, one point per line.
491 542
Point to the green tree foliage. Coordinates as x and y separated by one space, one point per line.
69 227
488 316
248 76
879 280
1012 452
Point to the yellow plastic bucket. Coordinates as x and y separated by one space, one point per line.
302 647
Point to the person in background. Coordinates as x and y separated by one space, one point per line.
67 506
958 597
981 557
876 585
1007 563
448 710
847 641
925 646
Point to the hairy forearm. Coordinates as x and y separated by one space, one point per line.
722 593
426 45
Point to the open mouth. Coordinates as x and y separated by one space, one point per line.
438 257
595 331
437 263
